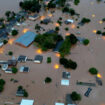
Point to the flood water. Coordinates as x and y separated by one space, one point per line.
5 5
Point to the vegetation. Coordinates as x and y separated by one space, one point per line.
5 41
68 63
48 80
10 53
75 96
65 47
98 32
14 32
14 70
47 41
2 83
30 5
37 27
56 29
71 11
103 33
85 20
86 42
76 2
48 59
93 71
103 19
66 29
51 5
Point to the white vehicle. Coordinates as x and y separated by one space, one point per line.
68 21
4 67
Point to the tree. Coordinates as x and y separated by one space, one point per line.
76 2
1 88
14 70
85 20
63 61
48 80
86 42
72 64
75 96
7 13
14 32
10 53
48 59
93 71
72 38
5 41
2 82
57 29
25 93
98 32
103 33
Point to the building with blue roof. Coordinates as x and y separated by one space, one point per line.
26 39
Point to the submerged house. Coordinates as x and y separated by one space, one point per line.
34 17
22 58
26 39
58 46
12 62
27 102
66 75
38 59
24 69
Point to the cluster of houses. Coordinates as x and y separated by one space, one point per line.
6 65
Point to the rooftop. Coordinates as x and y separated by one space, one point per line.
27 102
29 38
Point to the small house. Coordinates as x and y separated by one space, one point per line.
38 59
12 62
34 17
46 21
65 82
24 69
1 44
27 102
20 93
9 70
66 75
22 58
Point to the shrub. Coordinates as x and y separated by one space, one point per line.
2 82
86 42
66 28
103 19
98 32
14 32
5 41
56 28
93 71
48 59
76 2
25 93
75 96
10 53
85 20
1 88
14 70
48 80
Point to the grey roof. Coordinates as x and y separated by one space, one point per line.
26 39
22 58
39 58
50 32
26 69
66 75
68 99
35 16
58 45
12 62
46 21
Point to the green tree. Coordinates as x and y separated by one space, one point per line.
10 53
14 70
86 42
48 59
75 96
14 32
48 80
93 71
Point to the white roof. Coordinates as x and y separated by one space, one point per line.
1 44
70 20
65 82
59 104
27 102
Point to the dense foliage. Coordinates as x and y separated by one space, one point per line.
86 42
47 41
48 80
68 63
14 70
85 20
2 83
93 71
76 2
14 32
30 5
75 96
